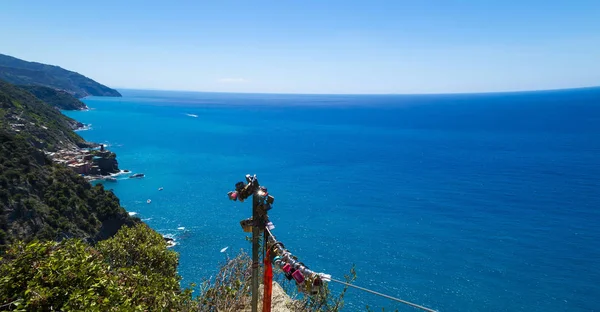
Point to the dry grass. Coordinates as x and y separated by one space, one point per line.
229 291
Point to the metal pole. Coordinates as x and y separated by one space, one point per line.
255 249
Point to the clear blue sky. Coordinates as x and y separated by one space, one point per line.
313 46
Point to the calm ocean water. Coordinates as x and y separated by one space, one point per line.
486 202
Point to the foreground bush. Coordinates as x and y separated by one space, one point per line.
132 271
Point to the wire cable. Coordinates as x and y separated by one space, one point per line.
414 305
386 296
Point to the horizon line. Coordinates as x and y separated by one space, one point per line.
372 94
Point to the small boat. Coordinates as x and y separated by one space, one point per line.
137 175
149 201
110 179
160 188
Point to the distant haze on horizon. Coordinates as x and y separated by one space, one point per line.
334 47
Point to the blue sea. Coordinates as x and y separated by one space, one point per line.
468 202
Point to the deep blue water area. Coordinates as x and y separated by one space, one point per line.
480 202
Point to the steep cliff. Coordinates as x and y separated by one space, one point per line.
40 199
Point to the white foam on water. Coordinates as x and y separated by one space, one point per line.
171 243
120 173
84 128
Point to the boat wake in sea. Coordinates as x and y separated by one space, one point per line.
120 173
192 115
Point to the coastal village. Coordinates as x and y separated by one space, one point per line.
93 164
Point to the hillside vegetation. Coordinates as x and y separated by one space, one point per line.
132 271
40 124
57 98
40 199
20 72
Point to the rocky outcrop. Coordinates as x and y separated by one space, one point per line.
280 301
104 163
111 226
77 125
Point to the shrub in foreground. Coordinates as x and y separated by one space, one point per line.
73 276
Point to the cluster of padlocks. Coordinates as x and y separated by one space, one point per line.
243 189
308 281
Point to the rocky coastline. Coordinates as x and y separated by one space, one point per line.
94 163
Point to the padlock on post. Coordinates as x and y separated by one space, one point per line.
278 248
291 261
298 276
262 192
316 285
300 266
277 262
269 202
290 274
239 186
247 225
287 271
233 195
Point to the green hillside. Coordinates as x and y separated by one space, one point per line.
24 115
20 72
40 199
59 247
57 98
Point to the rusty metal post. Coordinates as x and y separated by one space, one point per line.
255 247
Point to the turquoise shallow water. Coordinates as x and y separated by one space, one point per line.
457 202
